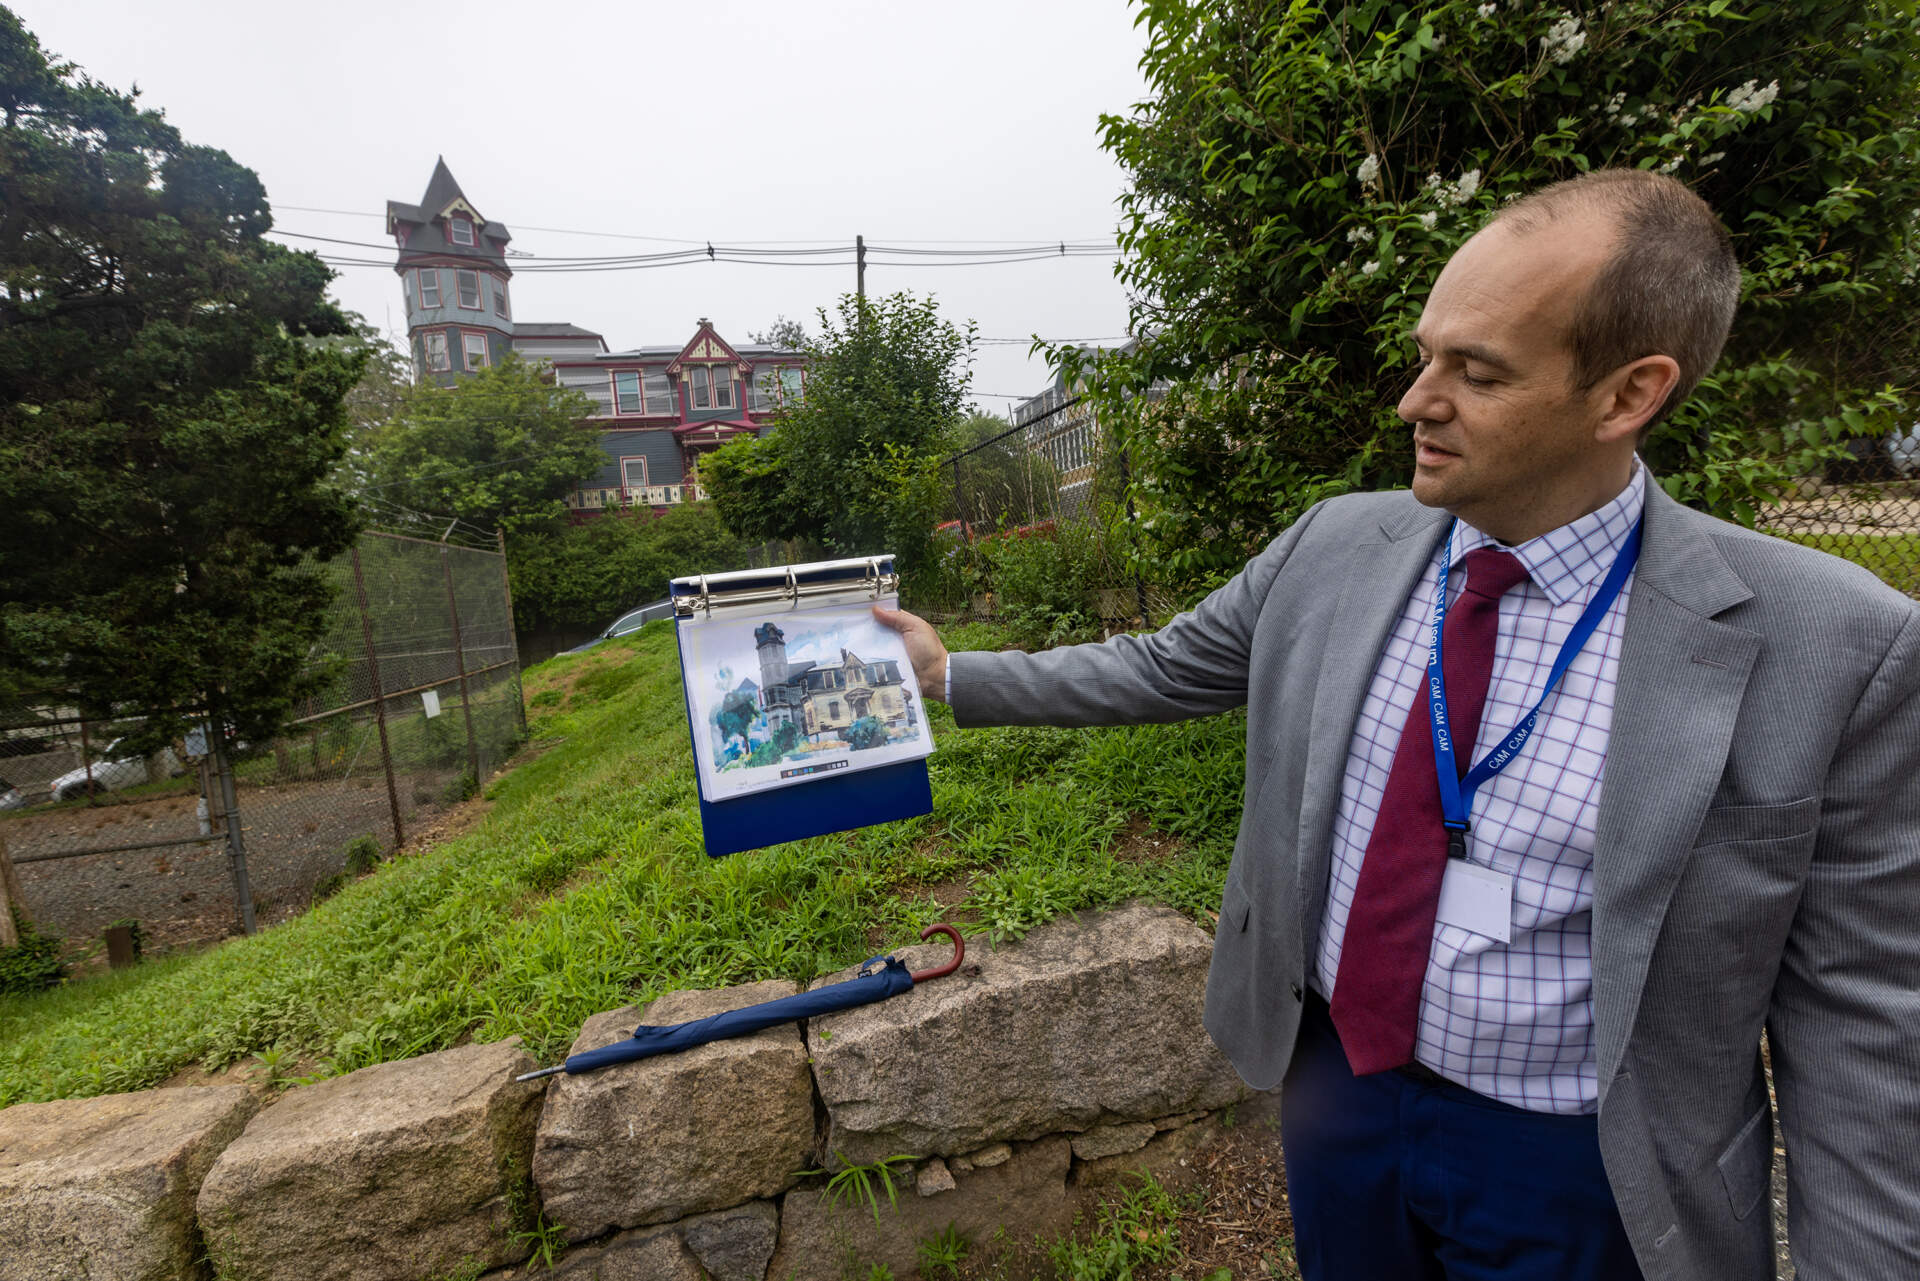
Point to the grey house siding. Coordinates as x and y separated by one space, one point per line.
657 446
593 381
555 348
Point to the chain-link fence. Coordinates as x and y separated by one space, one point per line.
1041 523
422 703
1053 475
1865 508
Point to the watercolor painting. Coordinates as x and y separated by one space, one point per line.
783 698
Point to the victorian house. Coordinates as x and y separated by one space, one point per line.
656 409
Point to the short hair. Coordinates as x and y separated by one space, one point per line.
1669 288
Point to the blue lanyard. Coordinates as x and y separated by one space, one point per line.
1456 793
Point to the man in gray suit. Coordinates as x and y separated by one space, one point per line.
1519 1017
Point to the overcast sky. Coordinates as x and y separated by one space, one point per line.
727 120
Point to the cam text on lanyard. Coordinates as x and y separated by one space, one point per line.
1456 792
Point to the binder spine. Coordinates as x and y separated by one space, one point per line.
703 595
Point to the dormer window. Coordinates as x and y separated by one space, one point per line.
462 231
712 389
469 282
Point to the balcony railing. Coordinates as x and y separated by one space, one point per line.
637 496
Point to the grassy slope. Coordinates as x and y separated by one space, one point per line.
586 888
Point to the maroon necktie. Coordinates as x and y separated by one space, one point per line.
1383 958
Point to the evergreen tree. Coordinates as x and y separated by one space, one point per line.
169 416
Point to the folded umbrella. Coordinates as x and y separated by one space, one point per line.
879 978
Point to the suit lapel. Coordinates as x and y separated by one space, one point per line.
1373 584
1681 681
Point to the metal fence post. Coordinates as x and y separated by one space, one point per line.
10 899
236 843
460 665
513 636
379 700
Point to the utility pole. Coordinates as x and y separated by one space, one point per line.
860 266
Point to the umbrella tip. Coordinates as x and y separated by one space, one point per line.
534 1076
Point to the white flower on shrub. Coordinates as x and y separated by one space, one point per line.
1713 157
1359 235
1369 171
1563 39
1615 103
1750 97
1428 219
1439 42
1487 10
1370 268
1461 190
1671 165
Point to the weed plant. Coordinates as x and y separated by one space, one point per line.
586 888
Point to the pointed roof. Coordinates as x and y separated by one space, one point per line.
442 191
422 229
706 346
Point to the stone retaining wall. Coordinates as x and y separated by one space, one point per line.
1013 1089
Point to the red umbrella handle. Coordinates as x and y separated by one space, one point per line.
959 953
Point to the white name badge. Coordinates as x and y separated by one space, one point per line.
1477 898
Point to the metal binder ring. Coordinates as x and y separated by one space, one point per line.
793 587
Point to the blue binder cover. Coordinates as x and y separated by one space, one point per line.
832 803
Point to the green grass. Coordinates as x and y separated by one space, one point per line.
586 888
1894 557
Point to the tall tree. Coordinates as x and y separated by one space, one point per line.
501 448
169 415
854 465
1299 173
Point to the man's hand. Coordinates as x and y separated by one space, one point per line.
924 650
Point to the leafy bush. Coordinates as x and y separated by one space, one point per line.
1299 175
34 963
586 575
866 732
785 736
1043 579
360 855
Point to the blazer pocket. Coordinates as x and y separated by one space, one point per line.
1728 823
1235 908
1746 1166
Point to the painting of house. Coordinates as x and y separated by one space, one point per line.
826 699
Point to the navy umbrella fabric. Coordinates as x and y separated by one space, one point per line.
879 978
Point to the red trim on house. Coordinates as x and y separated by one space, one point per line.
420 281
633 458
479 291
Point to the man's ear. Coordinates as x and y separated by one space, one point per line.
1632 394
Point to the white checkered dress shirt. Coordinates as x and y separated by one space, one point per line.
1512 1021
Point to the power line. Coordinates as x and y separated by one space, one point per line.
682 240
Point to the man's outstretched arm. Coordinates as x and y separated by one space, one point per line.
1194 666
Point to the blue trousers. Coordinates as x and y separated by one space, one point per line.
1395 1179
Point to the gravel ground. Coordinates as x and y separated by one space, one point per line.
183 894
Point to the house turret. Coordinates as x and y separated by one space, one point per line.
452 264
771 643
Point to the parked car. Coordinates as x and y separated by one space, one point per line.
1903 451
631 621
110 773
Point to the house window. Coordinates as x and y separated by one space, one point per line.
763 391
659 392
474 347
633 473
833 708
462 232
626 392
437 352
712 387
500 297
789 386
429 287
469 282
